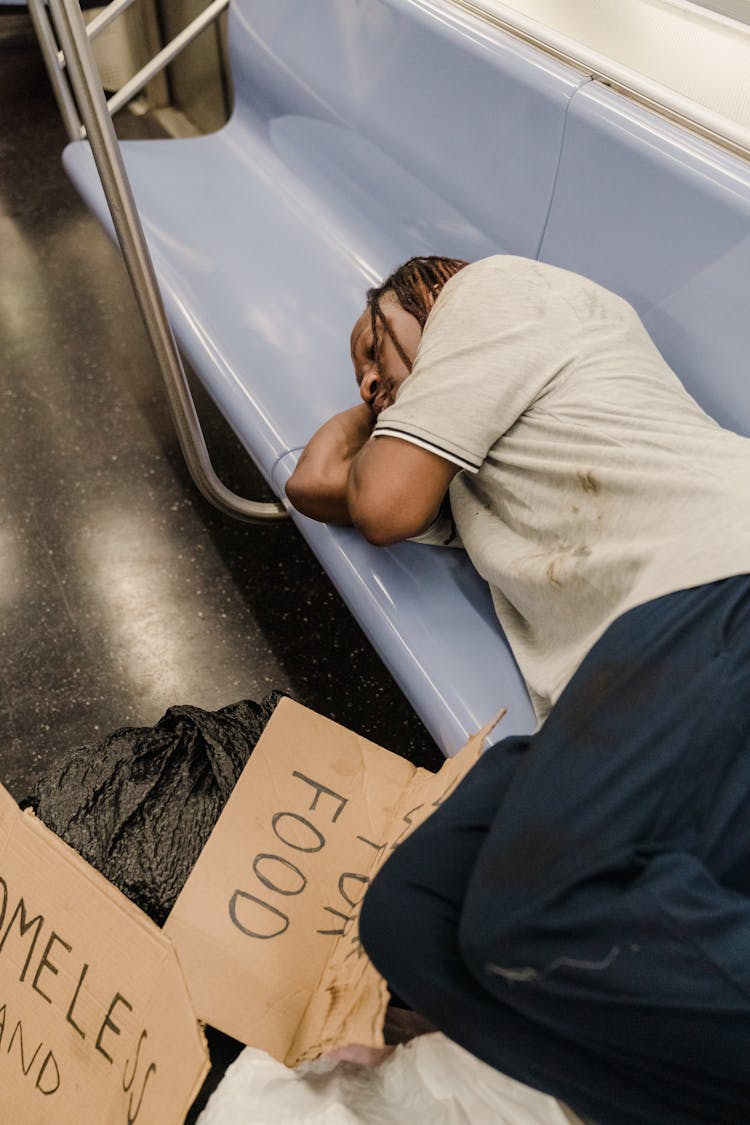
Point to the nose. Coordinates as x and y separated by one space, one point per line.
369 386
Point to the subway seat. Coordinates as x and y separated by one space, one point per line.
362 134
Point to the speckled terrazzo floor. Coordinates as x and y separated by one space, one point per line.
121 591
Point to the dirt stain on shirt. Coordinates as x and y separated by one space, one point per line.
562 559
588 481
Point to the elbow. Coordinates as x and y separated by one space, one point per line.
383 523
318 497
298 494
307 496
377 533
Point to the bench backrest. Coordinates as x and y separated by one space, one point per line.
663 219
473 115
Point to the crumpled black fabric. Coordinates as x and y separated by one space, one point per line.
140 806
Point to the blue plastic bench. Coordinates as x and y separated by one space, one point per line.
365 133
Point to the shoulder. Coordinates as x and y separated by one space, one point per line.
496 271
508 289
491 294
511 273
504 281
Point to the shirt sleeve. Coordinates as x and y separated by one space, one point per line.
491 346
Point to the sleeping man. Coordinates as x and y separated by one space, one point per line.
577 914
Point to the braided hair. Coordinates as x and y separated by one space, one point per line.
415 285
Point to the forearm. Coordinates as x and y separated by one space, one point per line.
318 485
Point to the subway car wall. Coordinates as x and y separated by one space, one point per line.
122 591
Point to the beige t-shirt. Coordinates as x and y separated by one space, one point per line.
592 481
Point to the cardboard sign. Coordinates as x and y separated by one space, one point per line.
266 925
95 1020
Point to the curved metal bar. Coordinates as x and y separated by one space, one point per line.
86 84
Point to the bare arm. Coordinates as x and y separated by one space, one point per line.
388 488
395 489
318 485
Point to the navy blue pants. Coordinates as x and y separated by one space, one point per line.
577 914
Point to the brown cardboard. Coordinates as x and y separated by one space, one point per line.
96 1027
266 925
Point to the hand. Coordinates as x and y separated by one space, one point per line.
348 431
360 1054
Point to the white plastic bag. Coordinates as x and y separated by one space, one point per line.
428 1081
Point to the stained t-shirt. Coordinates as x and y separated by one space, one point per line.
592 481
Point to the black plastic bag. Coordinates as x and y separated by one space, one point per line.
140 806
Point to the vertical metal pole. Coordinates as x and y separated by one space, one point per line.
60 88
84 78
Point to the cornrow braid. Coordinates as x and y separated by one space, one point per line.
415 285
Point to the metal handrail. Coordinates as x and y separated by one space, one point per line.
54 57
84 78
157 64
103 20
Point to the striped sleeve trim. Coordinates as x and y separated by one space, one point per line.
430 446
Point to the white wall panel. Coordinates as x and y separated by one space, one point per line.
686 57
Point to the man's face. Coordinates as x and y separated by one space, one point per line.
379 388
